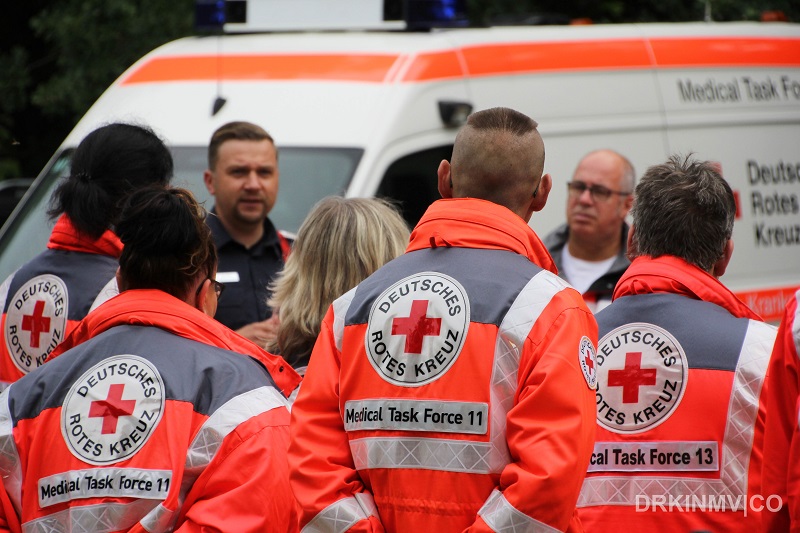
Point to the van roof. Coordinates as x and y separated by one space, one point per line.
337 83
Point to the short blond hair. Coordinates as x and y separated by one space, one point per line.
341 242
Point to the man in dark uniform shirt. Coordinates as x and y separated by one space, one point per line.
243 177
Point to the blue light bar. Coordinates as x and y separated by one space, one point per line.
424 14
212 15
286 15
209 14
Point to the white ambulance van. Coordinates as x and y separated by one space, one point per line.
362 113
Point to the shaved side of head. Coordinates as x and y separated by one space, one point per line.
498 156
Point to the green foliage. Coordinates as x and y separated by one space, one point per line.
13 87
61 55
97 40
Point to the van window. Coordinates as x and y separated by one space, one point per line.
26 234
307 175
412 181
11 192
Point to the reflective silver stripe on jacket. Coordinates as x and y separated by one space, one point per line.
10 467
340 516
3 296
430 454
4 287
462 455
514 329
107 517
208 440
340 307
736 445
503 517
100 518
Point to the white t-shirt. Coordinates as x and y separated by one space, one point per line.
581 274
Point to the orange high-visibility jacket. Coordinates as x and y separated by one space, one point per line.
451 390
149 423
44 300
781 469
681 366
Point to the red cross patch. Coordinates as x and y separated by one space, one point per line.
642 373
416 329
587 357
416 326
36 321
112 409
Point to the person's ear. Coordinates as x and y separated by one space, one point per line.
627 204
721 265
204 300
118 277
208 179
539 198
445 179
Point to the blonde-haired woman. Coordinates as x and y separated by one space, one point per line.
341 242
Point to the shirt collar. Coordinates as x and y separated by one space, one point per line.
223 238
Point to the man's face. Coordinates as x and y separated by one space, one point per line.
596 219
244 182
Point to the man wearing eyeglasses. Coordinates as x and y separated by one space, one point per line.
589 250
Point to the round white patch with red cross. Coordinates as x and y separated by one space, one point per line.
36 321
416 329
113 409
588 361
642 373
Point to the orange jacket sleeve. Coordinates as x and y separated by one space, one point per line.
319 442
9 522
246 487
551 428
781 466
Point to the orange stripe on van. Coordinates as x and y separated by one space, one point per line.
489 60
361 67
714 52
435 66
768 303
519 58
478 60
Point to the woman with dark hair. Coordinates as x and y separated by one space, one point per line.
45 298
153 416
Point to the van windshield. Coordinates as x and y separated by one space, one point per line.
307 175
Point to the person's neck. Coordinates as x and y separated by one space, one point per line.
246 235
592 251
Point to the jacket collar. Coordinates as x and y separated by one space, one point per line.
671 274
66 237
473 223
223 238
557 240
